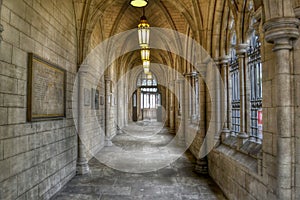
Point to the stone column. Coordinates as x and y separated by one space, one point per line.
120 105
281 31
215 92
108 101
241 53
171 103
224 98
82 163
201 166
181 110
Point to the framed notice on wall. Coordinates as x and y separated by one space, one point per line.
95 97
46 90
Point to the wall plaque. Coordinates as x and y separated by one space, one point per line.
87 97
95 99
46 90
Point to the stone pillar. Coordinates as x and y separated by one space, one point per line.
241 53
171 103
82 163
215 92
281 31
224 98
108 101
201 166
120 105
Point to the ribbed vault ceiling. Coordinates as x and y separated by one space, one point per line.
207 21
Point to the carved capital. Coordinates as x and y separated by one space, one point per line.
281 31
224 60
241 49
107 78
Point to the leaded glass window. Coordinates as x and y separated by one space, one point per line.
255 73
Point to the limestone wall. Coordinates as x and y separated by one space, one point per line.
242 176
37 158
297 117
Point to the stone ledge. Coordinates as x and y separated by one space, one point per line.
245 160
249 148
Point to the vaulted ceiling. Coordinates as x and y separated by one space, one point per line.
207 21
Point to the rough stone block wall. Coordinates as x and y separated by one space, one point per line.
297 118
36 158
93 118
237 173
195 138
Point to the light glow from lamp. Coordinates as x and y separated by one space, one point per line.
146 70
149 76
146 66
144 32
146 63
139 3
145 54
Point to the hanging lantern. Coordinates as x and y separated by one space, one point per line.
149 76
145 54
146 70
146 66
144 32
139 3
146 63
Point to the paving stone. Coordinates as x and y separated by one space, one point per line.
175 181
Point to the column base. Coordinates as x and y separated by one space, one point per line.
225 133
119 131
241 139
201 166
108 142
82 168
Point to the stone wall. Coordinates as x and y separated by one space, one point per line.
238 173
242 176
36 158
297 117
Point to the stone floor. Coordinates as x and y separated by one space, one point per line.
175 181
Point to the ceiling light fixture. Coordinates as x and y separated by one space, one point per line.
146 66
144 32
145 54
149 76
139 3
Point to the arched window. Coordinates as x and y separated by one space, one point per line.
255 77
150 98
144 80
235 90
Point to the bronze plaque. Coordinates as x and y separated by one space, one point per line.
46 90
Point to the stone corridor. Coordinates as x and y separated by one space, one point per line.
175 181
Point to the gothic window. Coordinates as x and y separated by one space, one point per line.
255 77
195 100
194 96
235 94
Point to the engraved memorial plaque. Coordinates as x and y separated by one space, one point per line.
46 90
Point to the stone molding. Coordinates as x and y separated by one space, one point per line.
280 31
223 60
241 49
297 12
